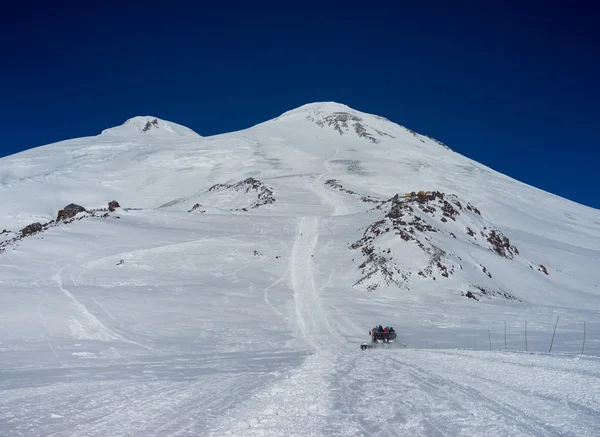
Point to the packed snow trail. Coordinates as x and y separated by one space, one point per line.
464 393
311 317
329 197
422 393
312 320
300 402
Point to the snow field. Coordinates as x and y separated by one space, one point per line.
248 323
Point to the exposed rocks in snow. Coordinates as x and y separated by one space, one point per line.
198 208
31 229
438 142
401 220
501 244
340 122
437 259
472 208
113 205
69 211
65 217
416 219
485 270
478 292
542 268
149 124
470 295
334 183
378 269
265 194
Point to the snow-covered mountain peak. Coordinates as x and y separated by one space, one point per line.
341 119
149 276
320 108
149 125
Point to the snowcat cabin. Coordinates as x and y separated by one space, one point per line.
380 334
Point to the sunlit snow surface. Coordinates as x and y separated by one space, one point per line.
248 323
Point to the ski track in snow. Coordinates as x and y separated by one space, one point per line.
312 320
85 326
300 403
311 317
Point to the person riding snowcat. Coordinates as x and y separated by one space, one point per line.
380 334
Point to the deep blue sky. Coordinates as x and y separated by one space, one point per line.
515 86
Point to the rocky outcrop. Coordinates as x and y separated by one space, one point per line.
264 193
343 122
336 184
65 216
149 124
418 219
478 292
113 205
31 229
198 208
500 244
69 211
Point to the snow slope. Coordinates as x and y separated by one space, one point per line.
230 291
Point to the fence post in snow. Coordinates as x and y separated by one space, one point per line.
504 335
553 334
490 339
583 345
526 348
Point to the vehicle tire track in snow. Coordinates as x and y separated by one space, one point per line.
460 404
507 408
297 404
382 390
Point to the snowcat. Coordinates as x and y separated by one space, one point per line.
385 337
